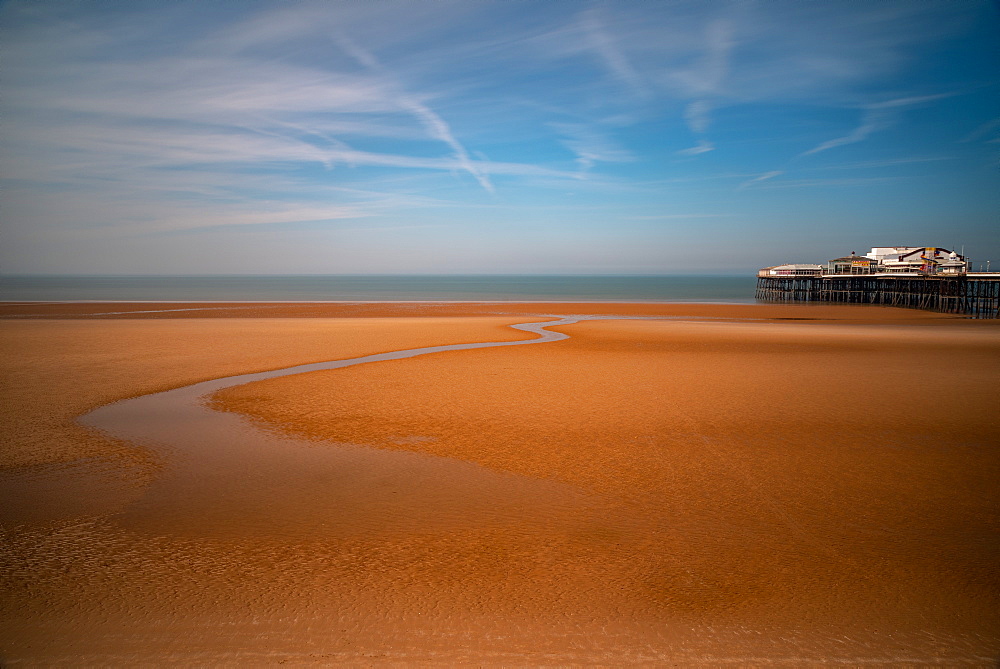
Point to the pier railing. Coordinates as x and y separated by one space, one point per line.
975 296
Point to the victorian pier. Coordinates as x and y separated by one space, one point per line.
917 277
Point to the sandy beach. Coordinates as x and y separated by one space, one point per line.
720 485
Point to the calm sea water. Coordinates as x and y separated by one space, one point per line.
379 288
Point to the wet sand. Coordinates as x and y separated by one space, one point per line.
815 486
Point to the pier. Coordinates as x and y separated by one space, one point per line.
975 295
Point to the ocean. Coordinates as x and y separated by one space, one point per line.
376 288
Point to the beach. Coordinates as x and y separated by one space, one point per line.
686 484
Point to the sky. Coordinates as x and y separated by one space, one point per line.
625 137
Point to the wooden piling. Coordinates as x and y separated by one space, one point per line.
975 296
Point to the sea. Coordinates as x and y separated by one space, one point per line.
378 288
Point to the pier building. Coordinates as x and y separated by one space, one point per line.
851 264
792 270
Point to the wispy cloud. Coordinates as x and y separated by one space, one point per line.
871 121
875 117
668 217
158 126
224 105
894 162
709 75
601 42
759 178
705 81
827 183
435 125
697 115
991 127
702 147
590 145
440 130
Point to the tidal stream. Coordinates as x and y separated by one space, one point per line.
228 476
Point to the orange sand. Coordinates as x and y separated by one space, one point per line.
789 491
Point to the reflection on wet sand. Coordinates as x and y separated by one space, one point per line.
639 493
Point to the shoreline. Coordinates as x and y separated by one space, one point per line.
421 301
805 312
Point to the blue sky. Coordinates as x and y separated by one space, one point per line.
493 137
